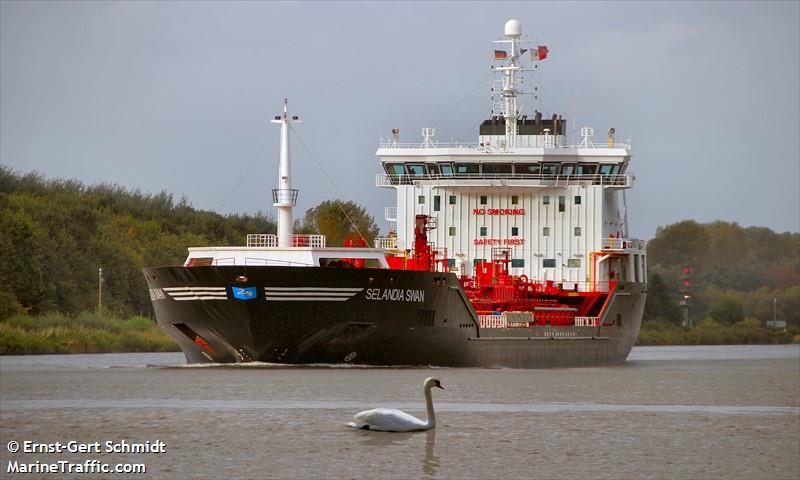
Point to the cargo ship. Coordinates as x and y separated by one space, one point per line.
512 251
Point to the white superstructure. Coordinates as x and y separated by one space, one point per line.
558 209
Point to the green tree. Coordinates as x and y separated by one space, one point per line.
727 310
338 219
57 233
661 305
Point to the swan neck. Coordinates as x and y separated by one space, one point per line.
431 421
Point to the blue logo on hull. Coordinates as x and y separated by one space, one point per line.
244 293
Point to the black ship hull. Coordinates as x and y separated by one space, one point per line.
313 315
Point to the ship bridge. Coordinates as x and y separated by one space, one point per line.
539 159
522 192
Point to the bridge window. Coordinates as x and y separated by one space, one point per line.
545 231
496 168
586 169
483 231
447 169
546 200
462 168
452 200
416 169
527 168
549 168
609 169
548 263
514 231
568 169
433 169
437 203
395 169
483 200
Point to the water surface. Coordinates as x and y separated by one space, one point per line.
669 412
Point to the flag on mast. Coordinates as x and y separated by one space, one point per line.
539 53
500 55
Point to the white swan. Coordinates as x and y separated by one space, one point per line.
391 420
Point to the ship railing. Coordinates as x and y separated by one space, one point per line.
572 286
298 240
550 180
262 240
465 145
502 321
386 243
493 321
301 240
622 244
483 147
586 321
267 262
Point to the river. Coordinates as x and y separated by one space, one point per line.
669 412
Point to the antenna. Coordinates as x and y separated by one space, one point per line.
427 137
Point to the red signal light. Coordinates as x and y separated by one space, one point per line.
687 283
687 270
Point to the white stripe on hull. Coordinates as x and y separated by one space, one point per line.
181 299
313 289
181 294
271 294
309 294
307 299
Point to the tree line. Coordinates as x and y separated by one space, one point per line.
735 274
57 233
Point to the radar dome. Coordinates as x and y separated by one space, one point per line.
513 28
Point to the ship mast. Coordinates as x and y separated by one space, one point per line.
513 30
285 197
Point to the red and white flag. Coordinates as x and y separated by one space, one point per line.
539 53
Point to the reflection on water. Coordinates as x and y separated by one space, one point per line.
430 462
388 442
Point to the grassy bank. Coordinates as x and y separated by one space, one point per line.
84 333
711 332
90 333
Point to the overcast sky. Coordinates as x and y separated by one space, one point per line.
177 96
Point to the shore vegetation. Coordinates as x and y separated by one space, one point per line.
55 332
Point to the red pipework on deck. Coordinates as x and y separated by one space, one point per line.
492 289
422 251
